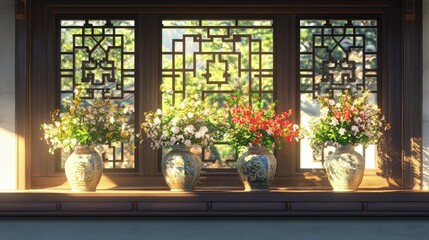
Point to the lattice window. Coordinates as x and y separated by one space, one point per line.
100 56
216 58
336 55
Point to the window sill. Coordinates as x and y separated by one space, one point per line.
213 203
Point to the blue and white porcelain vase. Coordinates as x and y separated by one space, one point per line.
345 169
257 168
181 169
84 168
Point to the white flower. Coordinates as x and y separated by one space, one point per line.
199 134
159 111
324 111
170 92
74 141
175 129
174 121
188 142
358 119
157 121
190 114
342 131
269 132
190 129
182 105
355 129
112 119
164 134
206 112
334 121
331 102
57 124
203 129
295 127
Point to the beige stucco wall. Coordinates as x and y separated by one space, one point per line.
8 172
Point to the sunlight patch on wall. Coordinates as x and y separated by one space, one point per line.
8 159
425 95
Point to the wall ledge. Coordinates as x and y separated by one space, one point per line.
213 203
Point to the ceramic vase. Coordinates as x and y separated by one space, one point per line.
257 167
84 168
345 168
181 168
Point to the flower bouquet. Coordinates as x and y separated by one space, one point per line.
86 124
190 123
345 123
260 129
181 126
81 126
258 126
350 120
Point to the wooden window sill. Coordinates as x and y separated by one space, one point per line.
214 203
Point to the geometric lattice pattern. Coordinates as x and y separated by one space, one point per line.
99 55
215 58
335 55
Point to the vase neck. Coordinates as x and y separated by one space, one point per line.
348 147
79 149
181 147
258 148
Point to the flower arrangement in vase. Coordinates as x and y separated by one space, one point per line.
260 129
343 124
181 126
81 126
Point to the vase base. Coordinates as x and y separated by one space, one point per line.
181 190
256 190
344 190
84 190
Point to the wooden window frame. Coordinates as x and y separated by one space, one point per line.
402 103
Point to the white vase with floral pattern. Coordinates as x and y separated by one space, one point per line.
84 168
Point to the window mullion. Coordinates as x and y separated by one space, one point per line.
148 64
285 85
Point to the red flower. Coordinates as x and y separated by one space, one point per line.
266 126
337 115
